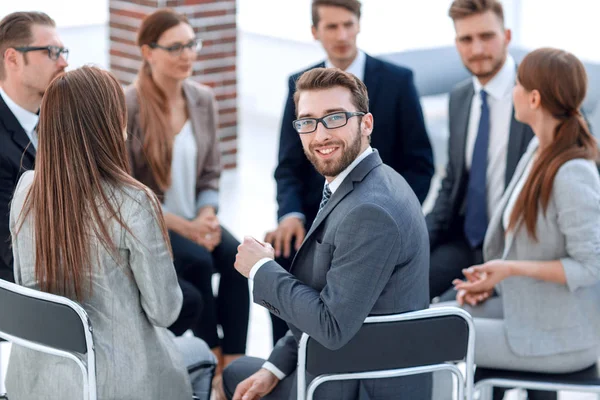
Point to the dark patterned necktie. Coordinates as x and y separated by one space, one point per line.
326 196
476 218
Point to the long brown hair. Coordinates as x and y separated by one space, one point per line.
154 108
561 80
81 149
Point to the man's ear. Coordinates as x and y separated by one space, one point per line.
366 124
11 59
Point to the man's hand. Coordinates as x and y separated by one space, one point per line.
249 253
281 238
256 386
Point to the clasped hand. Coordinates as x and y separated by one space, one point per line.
481 280
205 229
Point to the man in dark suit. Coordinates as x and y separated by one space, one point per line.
485 145
32 55
365 254
400 135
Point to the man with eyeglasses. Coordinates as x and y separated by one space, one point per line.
31 55
399 136
367 252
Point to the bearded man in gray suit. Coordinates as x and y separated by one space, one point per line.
367 252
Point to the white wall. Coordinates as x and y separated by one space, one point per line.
386 25
66 13
570 25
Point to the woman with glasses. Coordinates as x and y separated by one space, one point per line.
174 149
83 228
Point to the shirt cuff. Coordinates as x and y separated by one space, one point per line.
298 215
257 266
274 370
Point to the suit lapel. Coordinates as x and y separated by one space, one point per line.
462 123
356 175
371 79
16 131
496 234
516 139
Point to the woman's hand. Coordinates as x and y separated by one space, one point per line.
471 298
487 275
206 228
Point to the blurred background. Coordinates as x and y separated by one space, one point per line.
252 46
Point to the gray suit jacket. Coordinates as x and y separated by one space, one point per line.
131 305
450 202
544 318
366 254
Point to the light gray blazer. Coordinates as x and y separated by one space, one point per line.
545 318
131 306
367 253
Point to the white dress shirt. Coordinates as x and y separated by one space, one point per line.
333 186
180 197
357 68
500 103
27 119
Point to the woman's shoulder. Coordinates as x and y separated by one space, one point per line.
131 97
24 184
198 92
577 169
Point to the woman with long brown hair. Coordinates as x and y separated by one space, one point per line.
542 246
174 149
83 228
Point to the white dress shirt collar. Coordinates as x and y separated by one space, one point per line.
357 68
500 84
27 119
337 181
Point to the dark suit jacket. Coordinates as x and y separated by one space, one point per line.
399 135
366 254
450 203
17 155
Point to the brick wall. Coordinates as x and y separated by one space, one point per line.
214 21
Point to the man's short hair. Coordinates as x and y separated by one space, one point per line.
351 5
15 31
327 78
460 9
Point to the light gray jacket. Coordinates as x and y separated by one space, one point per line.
544 318
367 253
131 305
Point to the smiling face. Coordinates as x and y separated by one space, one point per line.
482 42
332 150
170 64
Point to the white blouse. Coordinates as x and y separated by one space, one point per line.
180 197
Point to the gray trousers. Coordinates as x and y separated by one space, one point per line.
200 362
492 349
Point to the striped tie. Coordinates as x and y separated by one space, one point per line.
326 196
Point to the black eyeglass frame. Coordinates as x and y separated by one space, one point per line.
348 114
177 48
54 52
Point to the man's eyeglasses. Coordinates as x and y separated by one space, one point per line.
177 48
330 121
54 52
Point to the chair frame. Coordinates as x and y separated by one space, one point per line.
87 362
465 384
485 385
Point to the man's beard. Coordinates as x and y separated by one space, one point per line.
496 66
333 167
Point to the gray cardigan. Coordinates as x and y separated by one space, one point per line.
131 305
545 318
